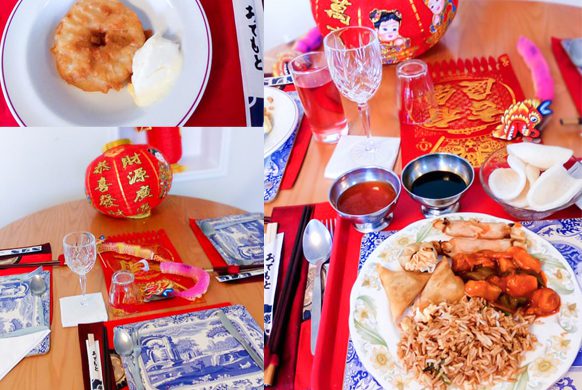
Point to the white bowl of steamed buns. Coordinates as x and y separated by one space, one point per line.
532 181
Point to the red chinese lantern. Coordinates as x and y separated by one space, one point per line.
167 140
406 28
127 181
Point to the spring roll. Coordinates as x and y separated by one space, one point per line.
468 245
473 229
518 237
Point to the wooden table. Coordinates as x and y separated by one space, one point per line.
481 28
61 367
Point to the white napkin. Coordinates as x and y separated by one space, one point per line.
341 161
18 348
73 313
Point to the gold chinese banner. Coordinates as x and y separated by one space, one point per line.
472 95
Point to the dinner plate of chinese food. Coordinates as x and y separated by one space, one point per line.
105 62
468 301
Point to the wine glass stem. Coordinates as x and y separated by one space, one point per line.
83 282
364 110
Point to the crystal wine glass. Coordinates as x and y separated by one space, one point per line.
355 63
80 255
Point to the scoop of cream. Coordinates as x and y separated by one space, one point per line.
156 66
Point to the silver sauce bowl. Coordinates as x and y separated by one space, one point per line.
377 220
446 162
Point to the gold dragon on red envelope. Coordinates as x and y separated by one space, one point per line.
472 96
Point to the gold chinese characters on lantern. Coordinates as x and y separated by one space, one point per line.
127 181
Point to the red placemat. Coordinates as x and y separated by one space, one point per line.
223 102
472 95
298 152
326 369
570 74
157 241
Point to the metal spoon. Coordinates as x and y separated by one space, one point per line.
124 346
37 285
317 249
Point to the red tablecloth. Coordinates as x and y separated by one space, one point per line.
223 103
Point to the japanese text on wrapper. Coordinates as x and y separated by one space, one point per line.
251 17
269 262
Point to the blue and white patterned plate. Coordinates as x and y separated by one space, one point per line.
238 238
22 313
559 335
194 350
275 164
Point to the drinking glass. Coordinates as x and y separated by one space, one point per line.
416 98
123 291
80 255
319 96
355 64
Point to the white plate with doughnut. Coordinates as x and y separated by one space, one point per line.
38 96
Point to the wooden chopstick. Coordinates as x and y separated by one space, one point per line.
30 265
284 302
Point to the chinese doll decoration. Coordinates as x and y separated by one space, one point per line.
127 181
406 28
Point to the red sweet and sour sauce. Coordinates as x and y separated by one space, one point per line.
366 198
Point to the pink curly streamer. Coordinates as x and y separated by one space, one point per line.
535 61
201 277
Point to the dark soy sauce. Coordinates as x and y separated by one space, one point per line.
438 185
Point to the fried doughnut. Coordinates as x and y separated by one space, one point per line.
95 43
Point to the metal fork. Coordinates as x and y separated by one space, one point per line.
330 225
